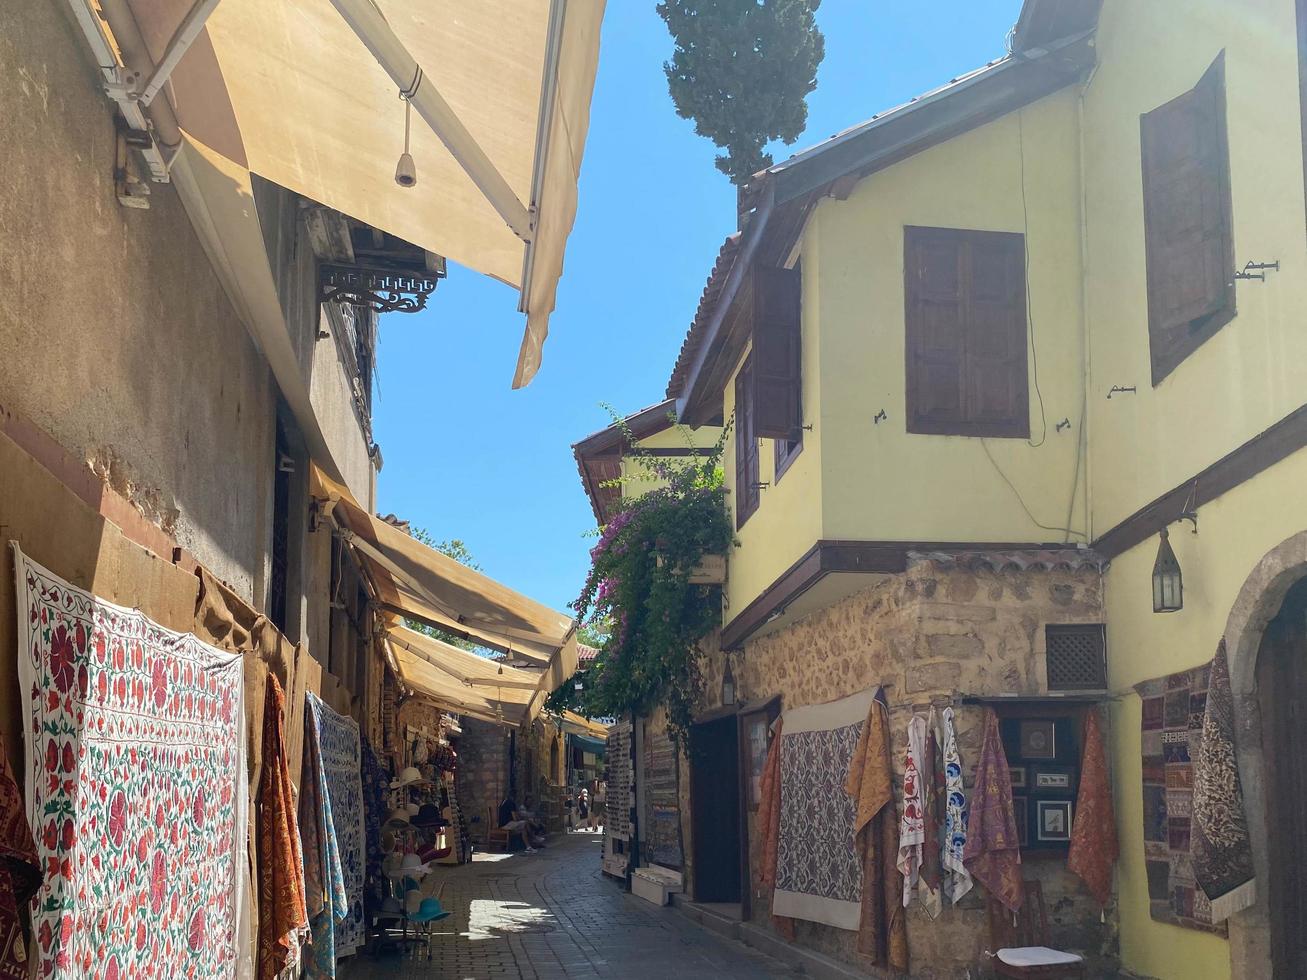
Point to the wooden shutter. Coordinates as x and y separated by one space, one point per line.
965 311
746 447
1187 223
777 338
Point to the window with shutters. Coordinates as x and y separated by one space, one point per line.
1188 240
776 313
747 490
965 313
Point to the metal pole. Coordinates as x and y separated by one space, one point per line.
367 22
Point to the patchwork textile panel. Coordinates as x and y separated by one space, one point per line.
342 763
818 871
136 788
1172 729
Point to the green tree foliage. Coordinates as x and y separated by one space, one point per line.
742 70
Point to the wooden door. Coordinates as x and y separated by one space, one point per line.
1282 691
715 803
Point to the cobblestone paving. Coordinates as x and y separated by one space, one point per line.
553 914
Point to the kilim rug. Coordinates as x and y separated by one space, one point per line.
1172 727
818 871
136 788
342 764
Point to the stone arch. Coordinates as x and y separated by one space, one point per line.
1259 599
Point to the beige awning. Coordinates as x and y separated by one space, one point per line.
580 725
462 682
288 90
410 579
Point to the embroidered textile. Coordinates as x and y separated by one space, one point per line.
769 819
932 813
957 879
992 854
324 880
375 782
818 877
20 872
1094 846
1222 852
1171 728
912 825
136 787
342 767
882 927
283 916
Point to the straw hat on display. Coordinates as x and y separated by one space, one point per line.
398 819
409 777
429 911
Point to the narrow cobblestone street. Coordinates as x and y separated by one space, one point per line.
553 914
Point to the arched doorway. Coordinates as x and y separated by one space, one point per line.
1282 698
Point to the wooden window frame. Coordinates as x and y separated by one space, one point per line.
748 494
1165 358
1017 426
787 451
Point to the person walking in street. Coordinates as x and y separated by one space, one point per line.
583 807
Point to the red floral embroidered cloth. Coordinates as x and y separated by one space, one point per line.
136 789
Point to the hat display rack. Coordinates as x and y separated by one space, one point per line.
422 829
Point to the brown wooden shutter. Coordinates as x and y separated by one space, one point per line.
777 338
1187 221
965 314
747 491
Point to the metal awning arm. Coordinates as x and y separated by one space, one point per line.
187 31
366 21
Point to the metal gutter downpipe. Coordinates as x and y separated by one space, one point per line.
365 20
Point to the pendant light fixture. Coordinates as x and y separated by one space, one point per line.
1168 582
406 171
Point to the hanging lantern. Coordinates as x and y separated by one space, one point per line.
1168 584
728 685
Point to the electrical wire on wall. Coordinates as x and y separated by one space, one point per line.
1067 531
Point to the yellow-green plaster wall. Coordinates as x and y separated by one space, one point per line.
1235 531
887 484
789 518
1254 370
636 480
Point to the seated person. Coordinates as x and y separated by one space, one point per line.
533 822
515 825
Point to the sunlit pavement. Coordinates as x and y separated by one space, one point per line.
553 914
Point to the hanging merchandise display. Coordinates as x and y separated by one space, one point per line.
283 915
1223 854
992 852
136 787
342 767
912 825
324 879
882 927
20 873
953 843
1094 847
932 813
1171 730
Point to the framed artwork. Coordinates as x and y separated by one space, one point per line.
1037 740
1022 812
1052 777
1018 776
755 733
1053 820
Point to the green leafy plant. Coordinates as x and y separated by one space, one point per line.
639 586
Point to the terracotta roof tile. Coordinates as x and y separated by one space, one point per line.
707 305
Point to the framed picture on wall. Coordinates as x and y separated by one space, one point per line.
1021 811
1018 776
1053 820
1052 777
1037 740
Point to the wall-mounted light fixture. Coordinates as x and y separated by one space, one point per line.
1168 582
728 684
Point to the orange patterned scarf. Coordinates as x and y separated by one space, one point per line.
283 917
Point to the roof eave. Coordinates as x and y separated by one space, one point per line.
791 189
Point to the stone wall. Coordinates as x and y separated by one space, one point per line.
482 777
933 633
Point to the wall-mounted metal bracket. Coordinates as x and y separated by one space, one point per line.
1257 270
1120 390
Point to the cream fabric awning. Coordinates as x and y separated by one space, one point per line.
285 89
580 725
463 682
410 579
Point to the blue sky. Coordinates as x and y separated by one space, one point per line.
465 456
